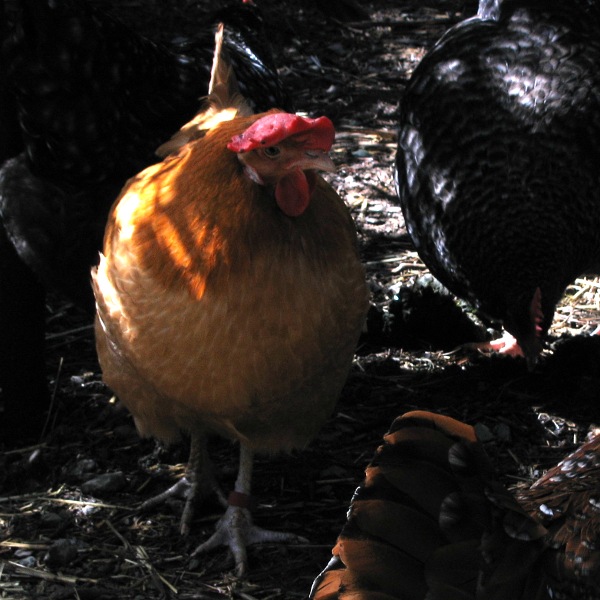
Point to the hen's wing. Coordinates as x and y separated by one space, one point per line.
430 521
565 501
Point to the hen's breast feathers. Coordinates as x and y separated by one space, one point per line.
225 304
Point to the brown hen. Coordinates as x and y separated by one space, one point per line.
230 295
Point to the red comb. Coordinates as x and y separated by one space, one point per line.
318 134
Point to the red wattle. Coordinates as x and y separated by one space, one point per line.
293 193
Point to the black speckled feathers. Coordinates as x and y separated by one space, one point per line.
497 162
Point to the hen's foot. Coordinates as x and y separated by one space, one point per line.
507 344
236 531
192 492
199 483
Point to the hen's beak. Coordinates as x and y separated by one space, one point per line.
317 160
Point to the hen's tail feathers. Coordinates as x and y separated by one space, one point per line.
223 103
429 522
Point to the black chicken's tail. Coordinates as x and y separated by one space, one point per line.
247 42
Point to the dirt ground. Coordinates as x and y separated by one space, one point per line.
62 538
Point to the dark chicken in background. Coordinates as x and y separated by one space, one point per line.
10 132
431 521
497 162
85 103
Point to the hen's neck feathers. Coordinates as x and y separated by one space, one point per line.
196 218
199 218
223 102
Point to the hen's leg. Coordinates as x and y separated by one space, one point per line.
197 483
235 528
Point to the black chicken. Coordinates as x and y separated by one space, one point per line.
90 100
497 162
430 521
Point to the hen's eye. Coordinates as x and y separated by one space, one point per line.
272 151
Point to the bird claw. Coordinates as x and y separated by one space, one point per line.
236 531
180 489
507 344
191 493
